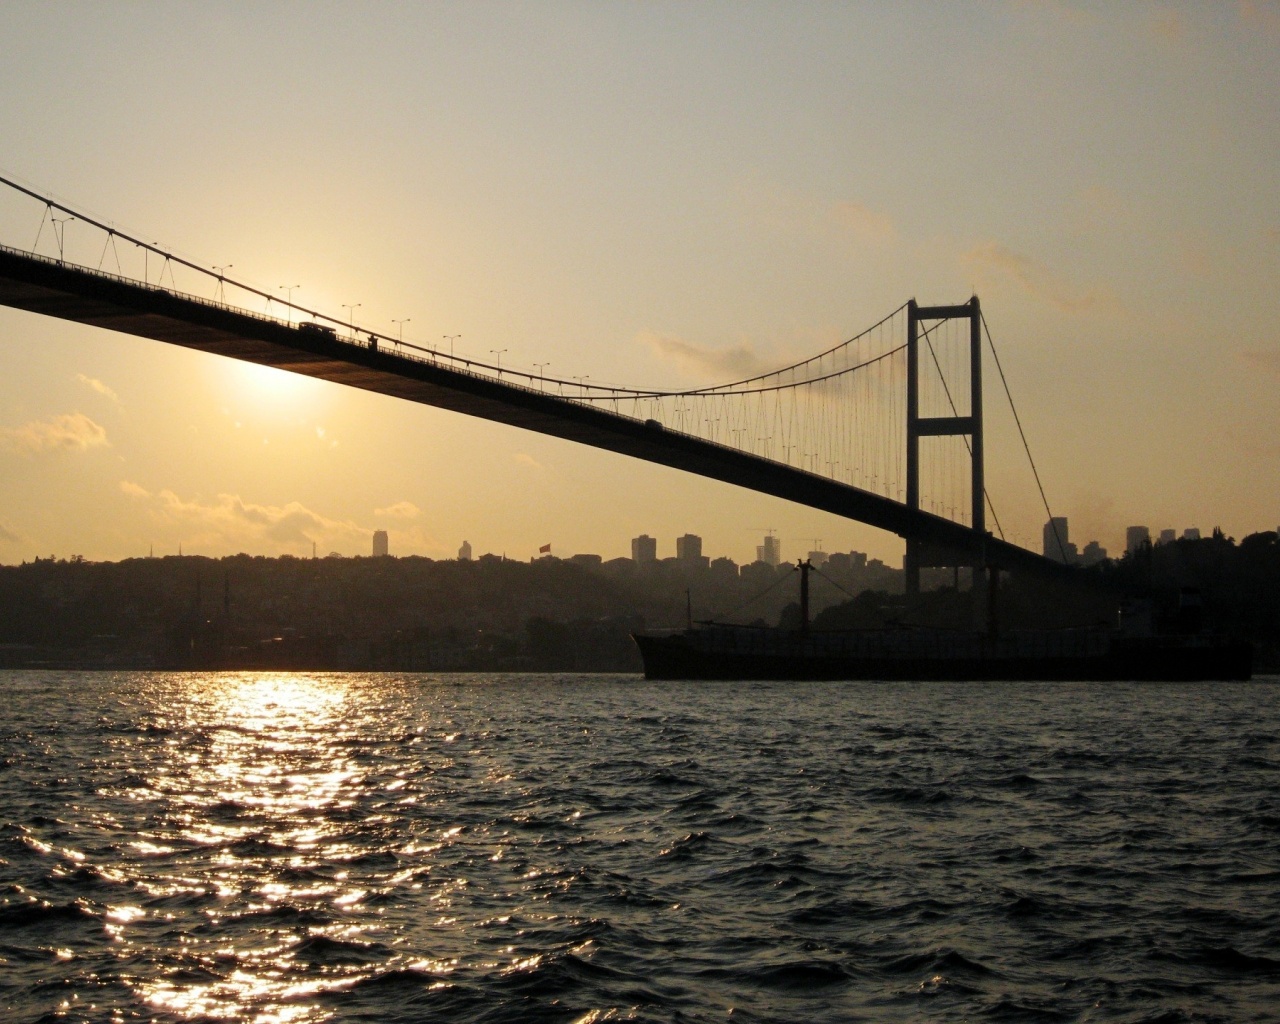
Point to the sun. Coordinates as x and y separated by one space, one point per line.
278 391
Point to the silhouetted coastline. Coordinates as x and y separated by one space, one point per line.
496 614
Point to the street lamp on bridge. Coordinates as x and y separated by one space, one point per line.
60 233
402 323
498 363
220 294
541 367
451 338
288 290
351 308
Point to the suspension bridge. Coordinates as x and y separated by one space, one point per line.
885 428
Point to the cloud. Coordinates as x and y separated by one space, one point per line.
69 432
737 362
231 522
1037 280
400 510
7 536
866 224
525 459
98 386
793 213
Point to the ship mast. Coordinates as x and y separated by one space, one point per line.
804 567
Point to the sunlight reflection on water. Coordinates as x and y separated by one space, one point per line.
301 848
272 753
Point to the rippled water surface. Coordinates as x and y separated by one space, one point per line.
276 847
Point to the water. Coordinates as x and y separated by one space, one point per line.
281 847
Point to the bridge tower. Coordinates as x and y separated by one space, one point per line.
919 554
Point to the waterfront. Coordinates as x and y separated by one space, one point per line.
306 847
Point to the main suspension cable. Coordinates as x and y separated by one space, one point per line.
964 437
1022 434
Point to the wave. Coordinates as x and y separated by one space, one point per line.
39 914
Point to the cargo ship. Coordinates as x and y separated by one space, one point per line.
712 650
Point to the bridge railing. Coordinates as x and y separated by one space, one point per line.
396 348
458 364
407 351
135 283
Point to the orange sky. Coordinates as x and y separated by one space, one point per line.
572 182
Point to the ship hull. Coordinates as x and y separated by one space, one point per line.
1164 659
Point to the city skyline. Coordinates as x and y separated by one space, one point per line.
618 237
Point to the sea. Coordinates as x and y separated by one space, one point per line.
306 847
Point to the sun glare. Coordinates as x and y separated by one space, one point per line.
269 384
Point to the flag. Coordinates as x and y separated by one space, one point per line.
545 549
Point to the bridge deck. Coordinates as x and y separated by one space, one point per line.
73 293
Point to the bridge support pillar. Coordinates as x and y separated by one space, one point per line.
939 426
911 560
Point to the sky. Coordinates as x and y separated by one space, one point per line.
642 193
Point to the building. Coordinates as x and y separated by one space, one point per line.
644 550
464 552
379 543
1056 539
1191 533
1136 537
1093 553
689 548
1167 536
853 561
689 552
818 559
724 567
770 552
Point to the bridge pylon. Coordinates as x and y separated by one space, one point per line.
920 554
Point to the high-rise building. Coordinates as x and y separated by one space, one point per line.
818 559
1056 539
464 552
770 551
1093 553
1167 536
379 543
644 550
689 548
1191 533
1135 537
